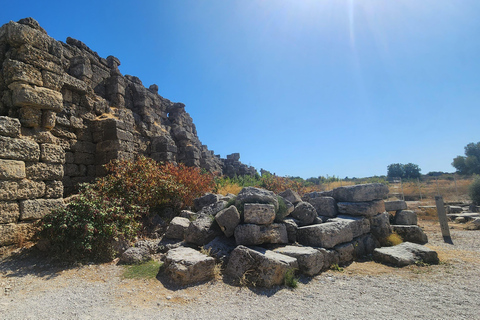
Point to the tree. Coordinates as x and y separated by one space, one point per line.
404 171
412 171
470 163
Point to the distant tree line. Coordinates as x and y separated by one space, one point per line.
470 163
404 171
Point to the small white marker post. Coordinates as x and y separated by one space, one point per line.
442 218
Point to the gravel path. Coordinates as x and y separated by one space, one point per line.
32 289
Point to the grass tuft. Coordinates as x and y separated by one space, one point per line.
147 270
290 279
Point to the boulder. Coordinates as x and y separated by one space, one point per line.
380 226
310 260
360 192
228 219
254 234
364 245
256 195
213 209
405 217
190 215
259 213
151 245
346 252
291 196
330 257
405 254
411 233
220 248
304 213
259 266
291 226
325 235
201 231
205 200
366 209
135 255
177 227
395 205
325 206
186 266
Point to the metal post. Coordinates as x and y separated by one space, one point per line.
442 218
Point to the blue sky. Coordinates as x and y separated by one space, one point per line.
300 88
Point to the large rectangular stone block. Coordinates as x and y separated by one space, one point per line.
361 192
44 171
38 58
395 205
53 189
325 235
9 127
22 189
253 234
9 211
19 149
12 169
52 153
257 213
325 206
39 97
12 233
18 34
14 70
37 209
366 209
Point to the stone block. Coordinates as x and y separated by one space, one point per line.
361 192
177 227
12 233
205 200
257 195
310 260
405 217
84 158
364 245
115 145
52 80
37 209
395 205
304 213
39 97
187 266
345 252
291 226
257 213
21 189
53 189
359 225
380 226
9 211
30 117
52 153
48 119
135 255
366 209
9 127
83 146
44 171
74 83
14 70
411 233
405 254
254 234
201 231
325 206
19 149
228 219
291 196
12 169
18 34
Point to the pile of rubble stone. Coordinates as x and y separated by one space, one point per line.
259 235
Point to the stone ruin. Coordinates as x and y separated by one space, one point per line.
65 112
258 236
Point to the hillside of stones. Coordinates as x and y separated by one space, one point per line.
258 236
65 112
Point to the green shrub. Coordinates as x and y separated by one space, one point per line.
474 190
89 226
290 279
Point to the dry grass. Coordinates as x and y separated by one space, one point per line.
230 188
450 189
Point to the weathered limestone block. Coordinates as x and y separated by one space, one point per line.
53 189
201 231
304 213
51 153
325 206
310 260
18 34
81 68
43 98
9 211
49 118
135 255
9 127
37 209
213 209
380 226
254 234
366 209
330 257
405 217
259 213
30 117
359 225
44 171
52 80
220 248
74 83
14 70
360 193
115 145
228 219
395 205
411 233
405 254
291 196
12 169
364 245
259 266
186 266
22 189
257 195
12 233
205 200
89 158
38 58
177 227
345 253
291 226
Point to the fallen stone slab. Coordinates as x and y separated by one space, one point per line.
291 196
380 226
467 215
325 206
395 205
259 266
228 219
310 260
405 254
366 209
186 266
411 233
405 217
177 227
360 193
259 213
254 234
364 245
346 252
454 209
201 231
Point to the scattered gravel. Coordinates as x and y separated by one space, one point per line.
31 288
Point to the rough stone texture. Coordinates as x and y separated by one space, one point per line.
366 209
26 95
12 233
221 247
405 217
205 200
364 245
22 189
359 225
52 153
228 219
12 169
253 234
405 254
380 226
37 209
187 266
259 213
291 196
346 252
44 171
53 189
213 208
395 205
9 127
9 211
201 231
19 149
177 227
257 195
411 233
310 260
135 255
304 213
291 226
259 266
360 193
325 206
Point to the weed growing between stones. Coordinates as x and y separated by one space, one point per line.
392 240
147 270
290 279
336 267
